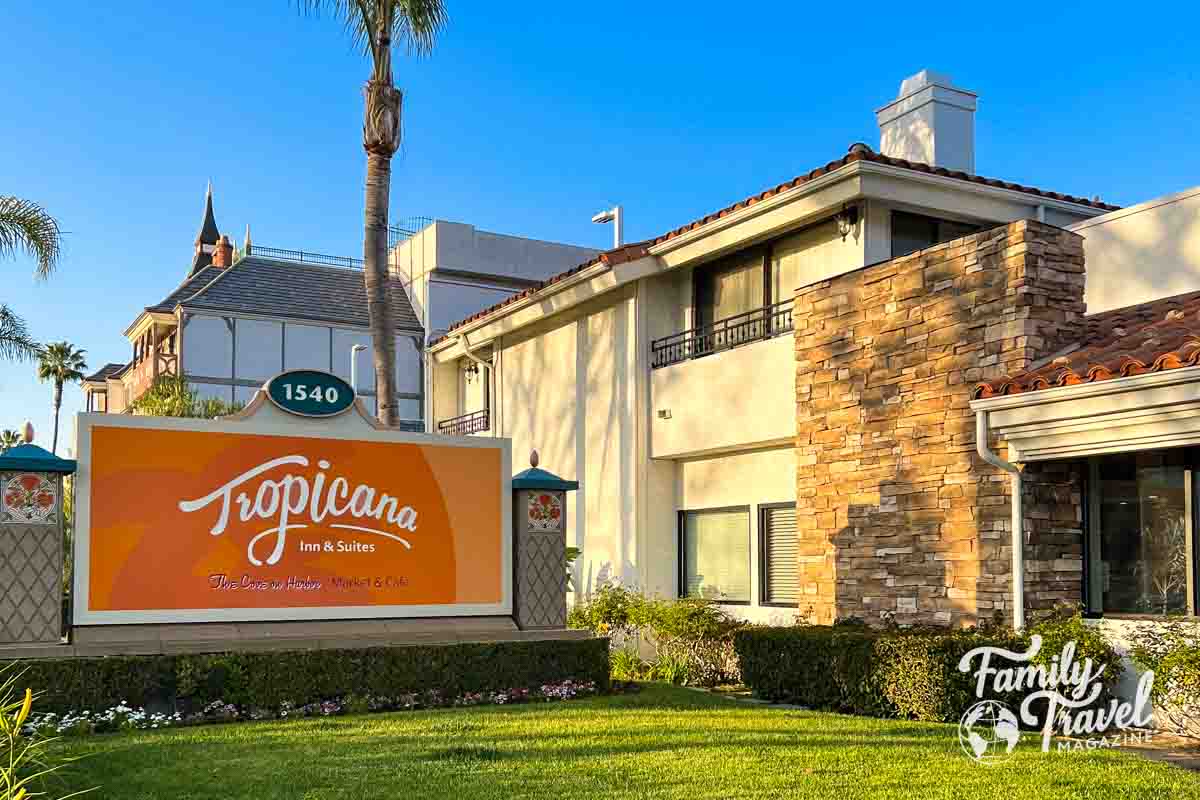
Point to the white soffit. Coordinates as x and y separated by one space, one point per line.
1144 412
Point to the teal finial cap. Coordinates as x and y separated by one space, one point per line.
535 478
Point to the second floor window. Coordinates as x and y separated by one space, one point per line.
913 232
732 286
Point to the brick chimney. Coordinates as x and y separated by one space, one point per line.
223 252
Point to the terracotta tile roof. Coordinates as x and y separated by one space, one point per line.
1150 337
857 152
620 255
861 152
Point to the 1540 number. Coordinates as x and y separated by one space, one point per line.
314 394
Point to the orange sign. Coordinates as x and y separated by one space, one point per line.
194 521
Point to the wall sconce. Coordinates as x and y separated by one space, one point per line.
847 220
472 371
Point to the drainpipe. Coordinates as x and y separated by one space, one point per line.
487 371
1018 522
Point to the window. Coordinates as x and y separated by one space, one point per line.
1141 548
730 287
715 554
912 232
805 257
779 554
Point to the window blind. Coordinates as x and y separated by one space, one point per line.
780 549
716 554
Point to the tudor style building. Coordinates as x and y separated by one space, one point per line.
772 406
241 316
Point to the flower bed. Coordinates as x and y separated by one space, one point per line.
123 717
191 683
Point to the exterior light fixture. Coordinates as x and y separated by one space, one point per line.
472 371
354 351
613 215
847 220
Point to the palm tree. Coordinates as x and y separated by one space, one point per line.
61 363
9 439
25 227
376 25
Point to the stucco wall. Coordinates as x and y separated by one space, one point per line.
735 399
1142 253
566 390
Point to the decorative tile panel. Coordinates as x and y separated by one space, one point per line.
29 498
544 511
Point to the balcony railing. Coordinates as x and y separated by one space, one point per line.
299 256
407 228
724 334
465 424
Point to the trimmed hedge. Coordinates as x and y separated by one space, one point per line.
266 679
894 673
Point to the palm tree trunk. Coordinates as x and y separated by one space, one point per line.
57 405
381 137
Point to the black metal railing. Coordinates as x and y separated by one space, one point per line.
465 424
299 256
407 228
724 334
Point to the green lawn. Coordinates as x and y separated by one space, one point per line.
663 742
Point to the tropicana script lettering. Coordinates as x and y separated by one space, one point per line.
282 501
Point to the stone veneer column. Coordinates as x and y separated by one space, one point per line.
896 513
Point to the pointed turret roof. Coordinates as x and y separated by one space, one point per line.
208 228
208 236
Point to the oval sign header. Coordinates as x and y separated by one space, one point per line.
309 393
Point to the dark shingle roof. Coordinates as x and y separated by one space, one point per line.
107 371
1159 335
189 287
272 288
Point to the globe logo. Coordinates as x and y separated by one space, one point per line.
988 731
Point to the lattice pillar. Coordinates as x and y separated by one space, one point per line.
540 546
31 544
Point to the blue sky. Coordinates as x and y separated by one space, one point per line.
527 119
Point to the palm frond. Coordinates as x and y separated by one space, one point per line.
355 15
62 363
415 24
15 342
26 227
418 23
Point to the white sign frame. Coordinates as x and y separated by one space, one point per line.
263 418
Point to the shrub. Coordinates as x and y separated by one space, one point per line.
1172 650
626 665
268 679
896 673
27 760
1066 624
694 636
